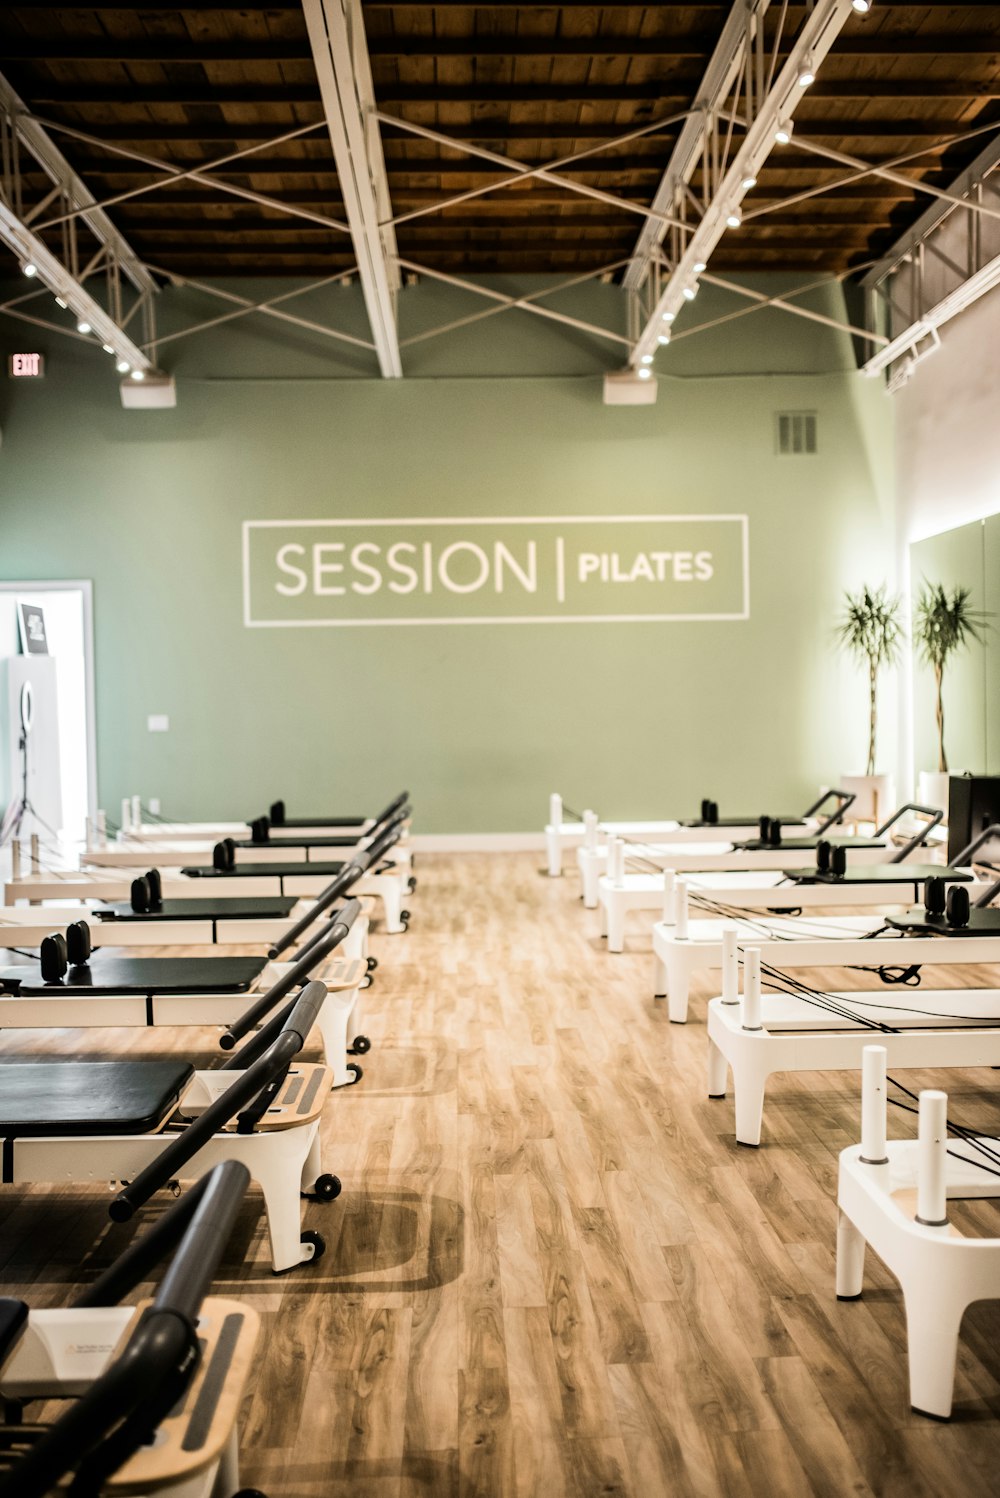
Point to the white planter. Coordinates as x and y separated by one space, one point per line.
876 797
933 789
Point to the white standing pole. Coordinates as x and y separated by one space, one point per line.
751 989
681 910
730 966
555 810
873 1105
618 861
126 822
15 860
102 828
88 834
137 812
932 1160
669 897
590 830
35 860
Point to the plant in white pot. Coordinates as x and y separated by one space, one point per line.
871 631
943 624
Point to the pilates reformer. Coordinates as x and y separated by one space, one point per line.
146 1124
684 948
795 1027
894 1195
832 881
385 881
76 987
771 851
587 831
150 1394
280 824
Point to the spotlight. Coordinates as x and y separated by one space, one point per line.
138 374
29 268
808 73
123 366
60 302
734 218
663 339
669 316
83 326
783 133
690 291
862 6
645 373
749 181
646 359
699 266
107 348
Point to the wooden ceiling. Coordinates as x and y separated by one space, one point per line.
190 85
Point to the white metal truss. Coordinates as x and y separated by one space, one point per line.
767 105
66 273
337 38
945 262
734 52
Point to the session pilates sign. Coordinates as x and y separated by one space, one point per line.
564 569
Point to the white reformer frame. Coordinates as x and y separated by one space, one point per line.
893 1195
338 1022
391 888
560 834
617 899
680 952
200 855
761 1034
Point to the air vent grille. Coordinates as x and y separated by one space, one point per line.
796 433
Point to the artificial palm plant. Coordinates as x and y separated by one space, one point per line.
870 630
943 624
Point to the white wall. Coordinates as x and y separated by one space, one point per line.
947 448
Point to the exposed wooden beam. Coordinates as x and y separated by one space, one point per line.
676 89
683 44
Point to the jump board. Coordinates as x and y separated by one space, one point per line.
919 923
236 908
880 873
758 845
50 1098
114 973
265 870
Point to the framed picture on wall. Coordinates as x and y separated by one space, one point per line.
31 628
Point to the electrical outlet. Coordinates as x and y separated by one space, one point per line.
158 723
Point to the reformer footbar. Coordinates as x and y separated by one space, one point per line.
156 1389
99 1121
710 815
301 835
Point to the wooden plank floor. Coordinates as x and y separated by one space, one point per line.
552 1271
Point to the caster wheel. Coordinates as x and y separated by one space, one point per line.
404 916
412 884
249 1493
327 1188
353 1066
362 1045
372 964
366 981
316 1242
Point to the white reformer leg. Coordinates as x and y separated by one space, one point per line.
718 1066
553 837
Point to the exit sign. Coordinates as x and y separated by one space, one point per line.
26 366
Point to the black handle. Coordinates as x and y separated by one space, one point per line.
245 1086
965 855
844 800
936 815
297 973
339 885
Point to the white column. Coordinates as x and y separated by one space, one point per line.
669 896
873 1105
730 966
932 1160
751 989
681 910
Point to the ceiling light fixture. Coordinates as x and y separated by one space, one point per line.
138 374
107 348
663 339
29 268
734 218
644 373
60 302
749 181
646 359
690 291
862 6
123 366
808 74
699 266
669 316
83 326
783 134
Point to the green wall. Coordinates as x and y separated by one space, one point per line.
480 722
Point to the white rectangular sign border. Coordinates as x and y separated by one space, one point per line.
744 521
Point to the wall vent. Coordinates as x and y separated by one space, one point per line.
795 433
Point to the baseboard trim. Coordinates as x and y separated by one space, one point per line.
478 842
